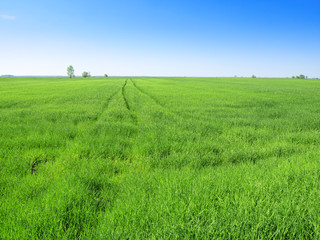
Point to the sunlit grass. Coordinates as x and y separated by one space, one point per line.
159 158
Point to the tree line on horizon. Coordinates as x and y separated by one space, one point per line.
70 73
301 76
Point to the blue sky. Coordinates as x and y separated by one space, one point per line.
267 38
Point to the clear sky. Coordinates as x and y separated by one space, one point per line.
270 38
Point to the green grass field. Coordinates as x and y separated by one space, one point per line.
159 158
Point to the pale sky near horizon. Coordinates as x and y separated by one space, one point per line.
267 38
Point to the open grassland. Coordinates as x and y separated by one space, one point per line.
159 158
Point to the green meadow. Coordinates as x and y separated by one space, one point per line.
159 158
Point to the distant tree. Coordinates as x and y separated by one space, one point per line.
106 75
86 74
70 72
253 76
302 76
293 77
298 77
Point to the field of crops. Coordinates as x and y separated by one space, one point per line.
159 158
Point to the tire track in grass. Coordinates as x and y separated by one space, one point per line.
104 109
106 104
96 119
95 200
69 141
133 117
124 96
122 135
157 102
146 93
36 162
91 163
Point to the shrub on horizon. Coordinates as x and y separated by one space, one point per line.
86 74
